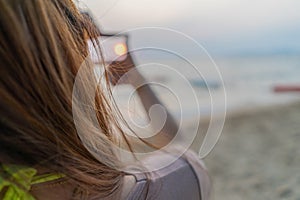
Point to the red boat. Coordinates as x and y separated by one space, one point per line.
286 88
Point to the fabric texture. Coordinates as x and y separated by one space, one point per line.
16 181
186 178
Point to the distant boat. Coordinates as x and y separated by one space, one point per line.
205 84
286 88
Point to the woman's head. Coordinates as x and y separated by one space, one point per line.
42 45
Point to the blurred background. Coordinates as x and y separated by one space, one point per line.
255 46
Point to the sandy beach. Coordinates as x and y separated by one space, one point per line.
258 155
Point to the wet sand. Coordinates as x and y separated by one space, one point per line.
258 155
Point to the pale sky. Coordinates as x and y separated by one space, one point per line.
234 25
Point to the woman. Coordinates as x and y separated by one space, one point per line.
42 45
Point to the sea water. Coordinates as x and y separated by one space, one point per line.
224 84
204 86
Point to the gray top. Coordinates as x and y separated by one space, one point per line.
186 178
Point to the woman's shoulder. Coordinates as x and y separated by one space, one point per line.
184 178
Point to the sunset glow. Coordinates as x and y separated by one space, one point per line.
120 49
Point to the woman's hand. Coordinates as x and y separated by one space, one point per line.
124 72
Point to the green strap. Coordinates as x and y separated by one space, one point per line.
17 181
46 178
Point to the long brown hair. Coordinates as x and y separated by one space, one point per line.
42 44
